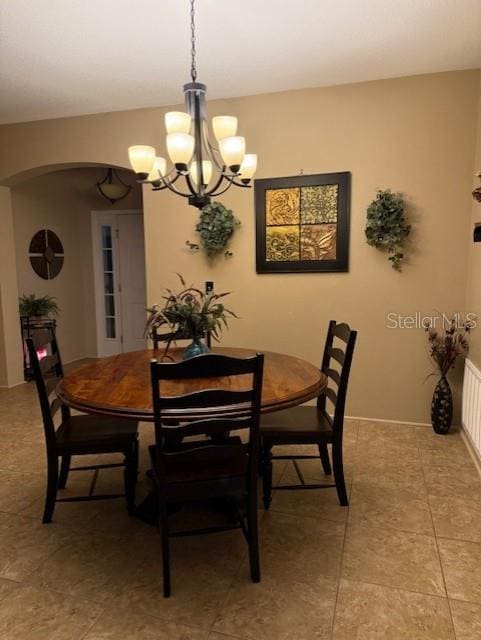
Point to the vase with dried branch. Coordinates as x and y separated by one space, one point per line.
445 346
188 314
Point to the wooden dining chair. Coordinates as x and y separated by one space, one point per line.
221 466
321 425
77 435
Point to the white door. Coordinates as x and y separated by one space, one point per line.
132 280
119 270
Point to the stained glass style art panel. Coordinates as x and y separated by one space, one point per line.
282 243
283 206
319 204
318 241
302 223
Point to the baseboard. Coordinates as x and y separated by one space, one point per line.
12 386
472 451
414 424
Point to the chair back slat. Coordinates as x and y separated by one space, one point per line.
214 426
337 354
47 374
48 363
333 375
217 409
342 354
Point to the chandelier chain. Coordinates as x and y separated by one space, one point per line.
193 68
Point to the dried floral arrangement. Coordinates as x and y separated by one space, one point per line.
446 345
188 313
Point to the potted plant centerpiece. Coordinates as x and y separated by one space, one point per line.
189 314
444 348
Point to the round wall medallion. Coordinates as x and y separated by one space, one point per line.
46 254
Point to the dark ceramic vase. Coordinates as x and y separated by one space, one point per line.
196 348
442 407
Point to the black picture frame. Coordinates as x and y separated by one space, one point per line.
341 261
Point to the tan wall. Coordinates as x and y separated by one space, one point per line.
11 361
62 201
412 134
473 291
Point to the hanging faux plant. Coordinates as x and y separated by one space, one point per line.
386 226
216 227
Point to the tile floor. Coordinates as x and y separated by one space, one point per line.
403 562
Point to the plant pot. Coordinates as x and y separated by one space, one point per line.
196 348
442 407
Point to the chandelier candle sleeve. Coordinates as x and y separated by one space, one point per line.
206 165
142 159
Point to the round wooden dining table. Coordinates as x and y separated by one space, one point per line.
119 386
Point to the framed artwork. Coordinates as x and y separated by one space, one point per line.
302 223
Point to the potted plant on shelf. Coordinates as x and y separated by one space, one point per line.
188 314
444 348
32 307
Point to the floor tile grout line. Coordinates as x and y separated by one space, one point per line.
440 561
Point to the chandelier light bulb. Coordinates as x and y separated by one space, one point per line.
141 158
177 122
206 172
181 148
248 167
224 126
232 151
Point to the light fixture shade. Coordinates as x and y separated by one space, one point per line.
177 122
160 165
141 158
224 126
180 147
248 166
232 151
206 171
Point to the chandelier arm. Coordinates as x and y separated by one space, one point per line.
169 186
212 151
164 180
219 193
191 186
220 180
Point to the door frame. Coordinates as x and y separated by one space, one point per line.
99 218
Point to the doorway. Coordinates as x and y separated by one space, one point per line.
119 276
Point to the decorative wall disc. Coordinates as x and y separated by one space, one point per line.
46 254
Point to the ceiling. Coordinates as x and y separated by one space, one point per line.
69 57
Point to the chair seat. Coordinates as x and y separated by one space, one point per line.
91 434
207 467
297 425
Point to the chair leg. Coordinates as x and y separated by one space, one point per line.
130 477
324 455
339 474
164 539
267 476
252 528
52 484
64 470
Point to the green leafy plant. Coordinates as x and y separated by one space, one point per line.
31 306
386 226
216 227
189 313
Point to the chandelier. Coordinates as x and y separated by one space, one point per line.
204 167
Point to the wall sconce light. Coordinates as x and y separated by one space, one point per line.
112 187
477 232
477 191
